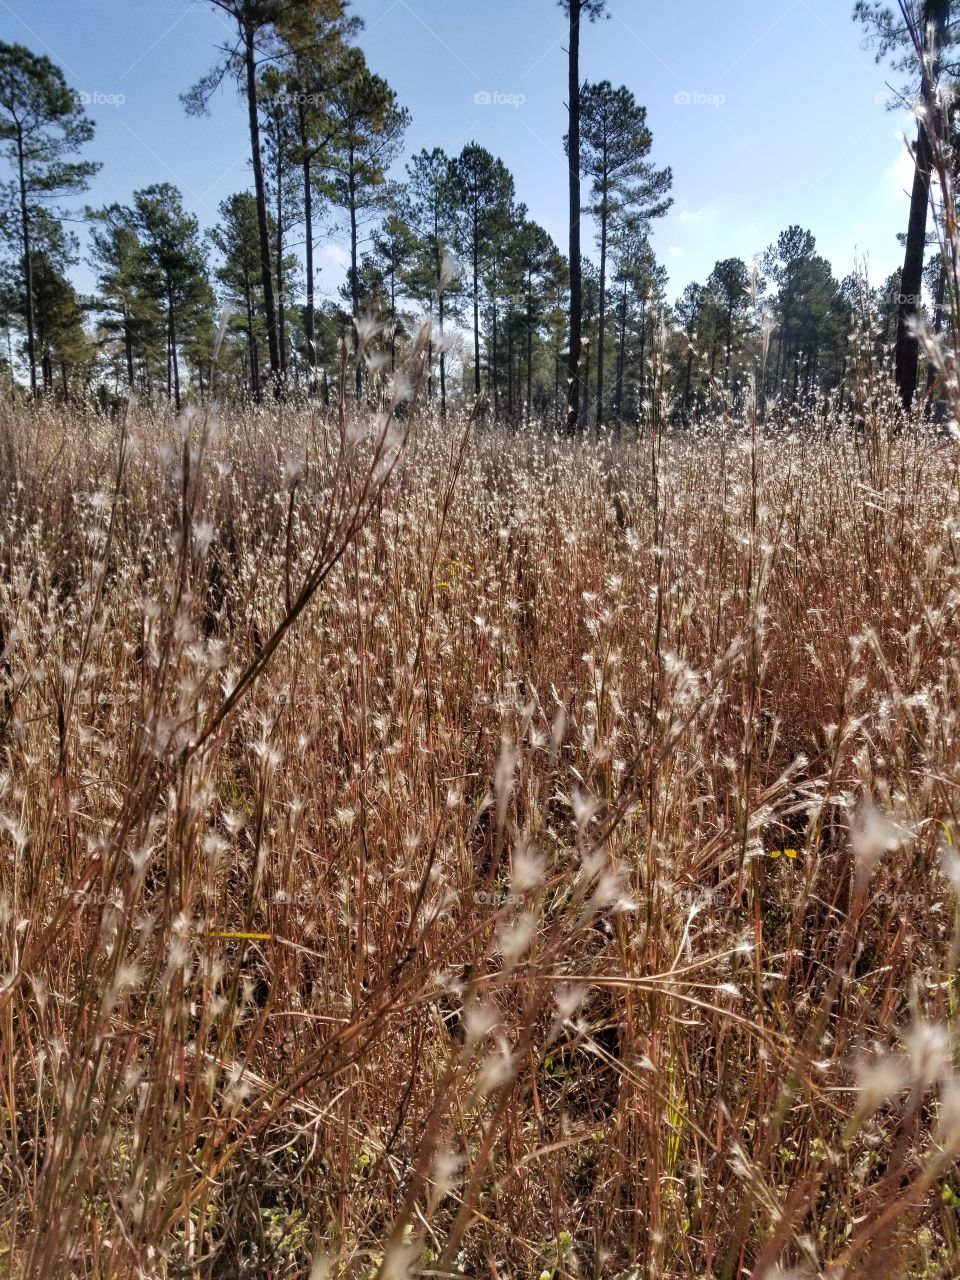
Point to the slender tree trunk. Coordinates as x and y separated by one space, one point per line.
476 303
438 280
309 311
173 348
576 285
691 334
393 319
841 390
556 384
27 268
585 383
622 352
602 310
354 270
510 409
726 361
494 357
938 300
443 361
128 347
281 317
643 356
907 352
309 318
529 347
251 339
777 372
266 267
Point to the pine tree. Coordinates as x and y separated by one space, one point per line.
614 144
64 350
428 206
689 309
810 319
369 130
926 29
641 283
44 124
395 247
575 10
236 240
537 257
483 194
728 286
126 311
175 270
313 60
264 28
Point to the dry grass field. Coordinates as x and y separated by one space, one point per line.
426 850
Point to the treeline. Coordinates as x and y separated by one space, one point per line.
176 311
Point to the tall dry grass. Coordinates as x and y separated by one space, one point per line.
466 854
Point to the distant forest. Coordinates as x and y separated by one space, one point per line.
176 311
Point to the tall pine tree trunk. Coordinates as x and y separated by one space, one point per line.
309 311
266 267
529 348
27 268
476 304
622 352
354 271
938 301
576 281
443 364
510 408
128 347
601 328
251 339
907 351
281 318
493 360
172 329
556 385
393 319
585 383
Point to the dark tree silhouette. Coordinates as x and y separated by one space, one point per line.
575 10
43 122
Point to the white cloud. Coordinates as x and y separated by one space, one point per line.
695 216
333 254
675 251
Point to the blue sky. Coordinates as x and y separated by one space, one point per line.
768 111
